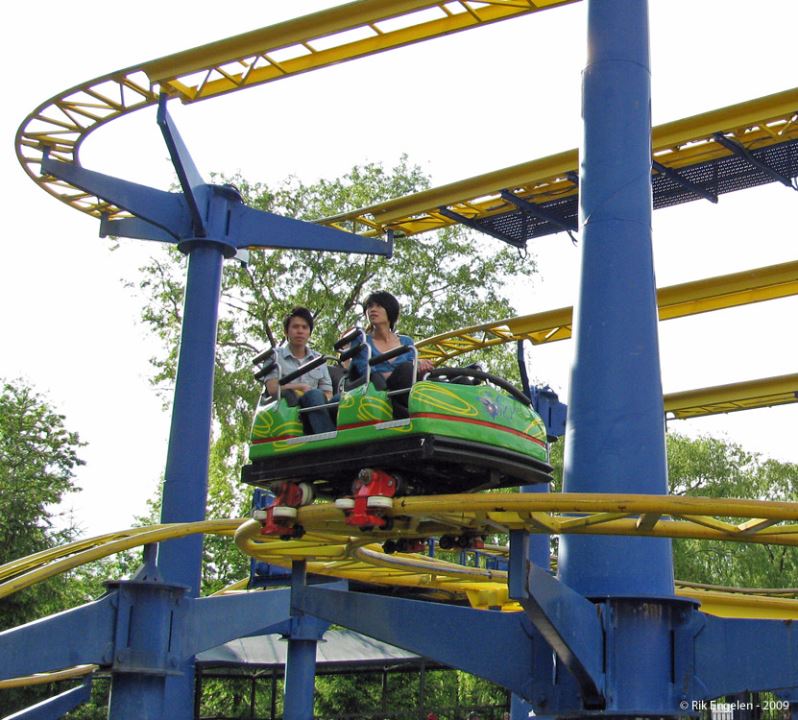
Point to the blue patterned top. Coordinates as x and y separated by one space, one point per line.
359 362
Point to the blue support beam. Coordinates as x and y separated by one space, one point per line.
195 189
572 626
733 656
134 227
60 641
521 710
165 210
445 633
56 706
303 636
186 476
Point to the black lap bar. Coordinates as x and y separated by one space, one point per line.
263 356
396 352
302 369
263 372
352 352
346 339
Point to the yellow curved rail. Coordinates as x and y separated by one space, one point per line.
45 678
330 549
333 549
338 34
19 574
754 125
675 301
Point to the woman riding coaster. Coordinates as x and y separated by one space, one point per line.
382 312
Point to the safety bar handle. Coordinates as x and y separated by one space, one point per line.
391 354
356 334
302 369
262 356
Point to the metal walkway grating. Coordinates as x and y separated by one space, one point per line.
716 177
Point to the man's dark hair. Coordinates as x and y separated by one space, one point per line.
300 312
386 301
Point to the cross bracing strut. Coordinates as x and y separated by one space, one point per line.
684 182
742 152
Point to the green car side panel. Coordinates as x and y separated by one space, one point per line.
480 414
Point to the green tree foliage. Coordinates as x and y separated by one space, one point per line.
712 467
38 459
444 281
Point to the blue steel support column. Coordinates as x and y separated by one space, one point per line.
186 480
300 661
615 442
539 554
186 477
300 677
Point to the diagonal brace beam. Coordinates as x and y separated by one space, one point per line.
537 211
572 627
60 641
483 228
445 633
195 189
744 153
684 182
164 209
216 620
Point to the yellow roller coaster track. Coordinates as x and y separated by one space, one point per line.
350 31
675 301
698 140
330 548
747 395
342 33
716 293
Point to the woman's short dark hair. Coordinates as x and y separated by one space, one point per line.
300 312
387 301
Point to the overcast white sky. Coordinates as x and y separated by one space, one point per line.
459 106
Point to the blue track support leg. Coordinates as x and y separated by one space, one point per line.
539 543
300 678
300 662
186 482
615 442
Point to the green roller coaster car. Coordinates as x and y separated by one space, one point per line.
462 430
